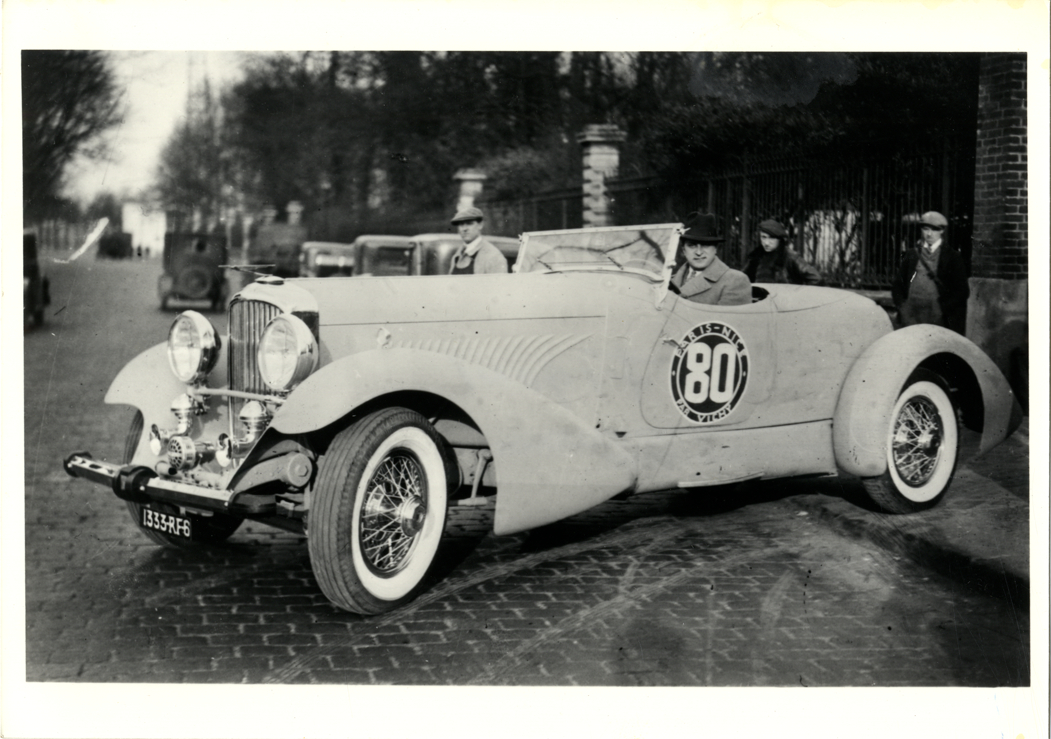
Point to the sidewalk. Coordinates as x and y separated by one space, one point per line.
978 535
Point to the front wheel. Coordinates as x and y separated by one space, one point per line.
379 511
922 448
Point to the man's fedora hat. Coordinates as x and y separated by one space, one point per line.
702 228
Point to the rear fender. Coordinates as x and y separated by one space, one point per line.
862 417
549 463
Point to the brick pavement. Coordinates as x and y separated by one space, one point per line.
768 584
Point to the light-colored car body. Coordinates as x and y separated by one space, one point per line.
578 378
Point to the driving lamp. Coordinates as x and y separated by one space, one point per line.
287 353
193 347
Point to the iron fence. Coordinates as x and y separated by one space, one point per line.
548 211
851 219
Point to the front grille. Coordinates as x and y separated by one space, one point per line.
248 318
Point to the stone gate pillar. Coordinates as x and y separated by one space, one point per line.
997 313
471 183
601 152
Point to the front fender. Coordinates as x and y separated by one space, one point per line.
549 463
147 383
862 417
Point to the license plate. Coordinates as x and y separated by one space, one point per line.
166 523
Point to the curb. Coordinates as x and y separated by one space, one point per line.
986 577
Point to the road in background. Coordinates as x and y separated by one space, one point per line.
793 583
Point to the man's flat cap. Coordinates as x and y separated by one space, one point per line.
468 214
933 219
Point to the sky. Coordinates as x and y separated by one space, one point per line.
155 86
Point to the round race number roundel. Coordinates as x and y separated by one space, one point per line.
709 372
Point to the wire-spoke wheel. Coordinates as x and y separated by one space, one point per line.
922 448
379 511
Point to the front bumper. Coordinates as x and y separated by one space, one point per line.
138 484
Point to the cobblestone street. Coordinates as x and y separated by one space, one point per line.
768 584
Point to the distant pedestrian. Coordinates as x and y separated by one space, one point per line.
704 278
931 283
477 256
775 261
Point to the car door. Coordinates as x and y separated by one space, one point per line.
711 366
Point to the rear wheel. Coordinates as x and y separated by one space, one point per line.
379 511
922 447
203 529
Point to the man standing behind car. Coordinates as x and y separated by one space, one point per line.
931 284
705 278
477 256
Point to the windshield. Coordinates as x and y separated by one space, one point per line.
646 250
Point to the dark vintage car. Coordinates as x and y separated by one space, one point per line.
36 288
326 259
361 417
370 254
278 245
193 269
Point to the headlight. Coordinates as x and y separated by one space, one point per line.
193 347
287 353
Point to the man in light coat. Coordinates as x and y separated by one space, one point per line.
477 256
705 278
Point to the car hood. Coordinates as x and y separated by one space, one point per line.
439 299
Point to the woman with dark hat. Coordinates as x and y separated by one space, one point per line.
775 261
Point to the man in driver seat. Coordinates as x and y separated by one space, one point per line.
705 278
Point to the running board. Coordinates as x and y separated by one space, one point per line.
715 483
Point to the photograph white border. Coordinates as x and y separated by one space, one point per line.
164 710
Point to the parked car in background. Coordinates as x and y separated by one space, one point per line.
433 252
193 269
278 245
326 259
114 245
36 288
382 255
359 416
390 256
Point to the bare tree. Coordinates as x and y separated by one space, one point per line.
195 173
69 98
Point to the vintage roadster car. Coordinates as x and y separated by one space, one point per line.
358 417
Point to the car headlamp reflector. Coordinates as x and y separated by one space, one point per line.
193 347
287 353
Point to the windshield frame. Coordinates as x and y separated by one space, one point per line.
659 280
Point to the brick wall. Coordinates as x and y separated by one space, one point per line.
1001 221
